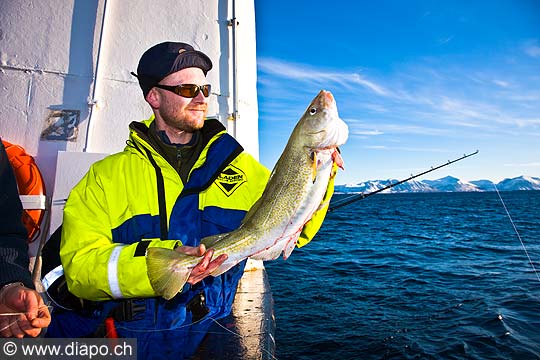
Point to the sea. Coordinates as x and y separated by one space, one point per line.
415 276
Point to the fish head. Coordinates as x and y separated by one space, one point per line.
321 127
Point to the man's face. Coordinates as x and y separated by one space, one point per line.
180 114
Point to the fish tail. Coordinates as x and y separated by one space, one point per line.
166 278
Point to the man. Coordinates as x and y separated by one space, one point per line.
161 191
17 296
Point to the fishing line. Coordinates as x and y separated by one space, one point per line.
23 313
517 232
196 331
165 329
18 314
241 336
183 326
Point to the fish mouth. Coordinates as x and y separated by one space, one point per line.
327 99
324 100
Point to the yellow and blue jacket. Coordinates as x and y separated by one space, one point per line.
135 199
115 208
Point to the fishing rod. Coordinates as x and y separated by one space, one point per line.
350 199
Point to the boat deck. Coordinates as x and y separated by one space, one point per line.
248 333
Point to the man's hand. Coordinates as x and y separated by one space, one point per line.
206 266
31 313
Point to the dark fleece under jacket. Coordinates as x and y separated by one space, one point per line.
13 247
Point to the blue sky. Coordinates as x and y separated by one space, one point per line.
418 83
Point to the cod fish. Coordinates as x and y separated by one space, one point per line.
272 226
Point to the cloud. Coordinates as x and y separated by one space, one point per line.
376 147
468 97
404 148
356 78
532 48
367 132
459 108
531 164
445 40
441 97
377 108
305 73
501 83
357 127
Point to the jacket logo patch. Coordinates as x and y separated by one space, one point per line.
230 179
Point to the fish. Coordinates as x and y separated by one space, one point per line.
294 192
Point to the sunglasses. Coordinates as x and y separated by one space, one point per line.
187 90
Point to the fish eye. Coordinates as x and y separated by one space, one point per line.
312 111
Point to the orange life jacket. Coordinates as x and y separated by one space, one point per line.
29 182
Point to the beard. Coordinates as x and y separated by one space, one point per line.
188 119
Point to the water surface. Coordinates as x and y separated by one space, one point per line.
414 276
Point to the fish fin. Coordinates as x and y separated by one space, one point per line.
338 160
290 245
285 246
314 165
271 253
166 278
226 266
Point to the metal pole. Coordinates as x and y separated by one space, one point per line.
234 24
94 101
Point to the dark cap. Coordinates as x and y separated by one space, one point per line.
164 59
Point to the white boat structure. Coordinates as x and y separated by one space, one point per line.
68 97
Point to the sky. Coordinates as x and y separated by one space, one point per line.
418 83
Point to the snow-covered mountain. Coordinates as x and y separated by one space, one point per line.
484 185
373 185
446 184
519 183
451 184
